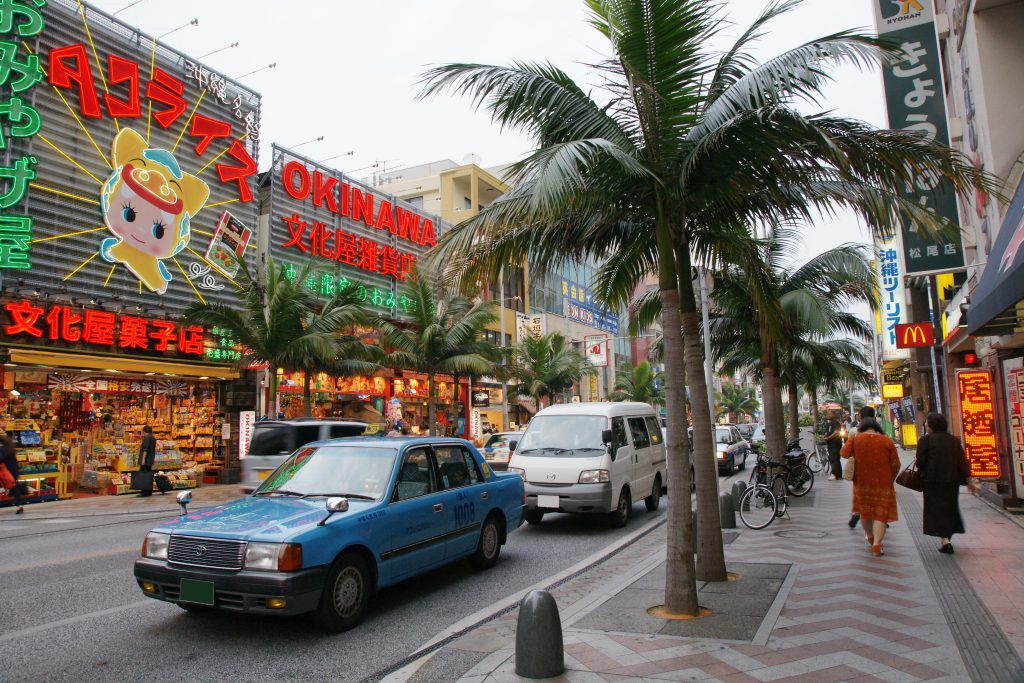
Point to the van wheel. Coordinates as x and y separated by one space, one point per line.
489 546
620 517
654 500
346 594
534 516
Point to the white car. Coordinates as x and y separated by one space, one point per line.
499 448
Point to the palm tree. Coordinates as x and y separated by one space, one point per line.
542 367
733 400
682 151
816 364
640 383
442 336
284 324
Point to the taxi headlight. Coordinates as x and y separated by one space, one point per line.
594 476
518 470
155 545
273 557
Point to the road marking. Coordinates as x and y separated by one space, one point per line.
25 632
76 558
58 520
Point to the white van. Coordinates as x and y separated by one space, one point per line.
591 458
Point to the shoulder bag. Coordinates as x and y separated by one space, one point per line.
6 478
910 477
849 464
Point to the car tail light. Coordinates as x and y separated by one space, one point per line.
290 558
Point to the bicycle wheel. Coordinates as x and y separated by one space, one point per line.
757 507
779 491
799 480
818 460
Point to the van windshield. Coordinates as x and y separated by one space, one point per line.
563 435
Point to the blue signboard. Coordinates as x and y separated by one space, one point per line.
579 304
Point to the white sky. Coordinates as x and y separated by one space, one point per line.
347 70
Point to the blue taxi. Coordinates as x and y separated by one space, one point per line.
336 521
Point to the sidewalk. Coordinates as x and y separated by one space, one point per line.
210 494
810 604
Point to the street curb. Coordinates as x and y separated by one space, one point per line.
425 652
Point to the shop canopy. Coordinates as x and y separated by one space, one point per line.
994 302
89 362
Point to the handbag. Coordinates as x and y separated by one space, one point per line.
910 477
850 464
6 478
142 481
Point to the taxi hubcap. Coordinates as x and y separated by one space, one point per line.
490 540
348 590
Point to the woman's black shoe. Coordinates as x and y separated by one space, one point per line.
854 519
946 549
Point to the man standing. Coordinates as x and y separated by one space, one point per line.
147 457
834 442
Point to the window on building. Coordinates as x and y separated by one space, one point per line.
416 201
467 203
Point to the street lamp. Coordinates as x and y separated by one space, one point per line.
226 47
504 382
319 139
256 71
349 153
133 4
194 22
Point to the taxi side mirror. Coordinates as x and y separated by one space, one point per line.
334 504
184 498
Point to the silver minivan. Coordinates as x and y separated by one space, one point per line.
274 440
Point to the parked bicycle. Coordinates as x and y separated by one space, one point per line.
761 503
818 460
799 477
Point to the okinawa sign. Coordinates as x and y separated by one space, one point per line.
353 235
132 167
915 102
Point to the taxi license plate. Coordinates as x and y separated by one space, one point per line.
547 502
199 592
263 474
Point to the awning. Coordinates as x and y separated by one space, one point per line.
82 361
993 303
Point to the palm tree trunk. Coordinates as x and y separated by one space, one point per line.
774 430
814 413
307 395
680 573
710 550
431 404
794 409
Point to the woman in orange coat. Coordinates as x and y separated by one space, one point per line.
876 465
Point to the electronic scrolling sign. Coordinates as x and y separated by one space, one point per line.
978 409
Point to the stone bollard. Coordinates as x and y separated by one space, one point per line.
738 488
539 651
726 510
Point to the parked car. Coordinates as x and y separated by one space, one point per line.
757 439
731 449
273 441
499 448
591 458
746 430
336 522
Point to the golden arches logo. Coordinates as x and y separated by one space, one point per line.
913 335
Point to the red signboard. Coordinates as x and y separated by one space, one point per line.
978 411
910 335
103 329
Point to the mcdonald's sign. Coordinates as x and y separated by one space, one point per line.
910 335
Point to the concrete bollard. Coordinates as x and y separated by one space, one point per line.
726 510
539 652
738 488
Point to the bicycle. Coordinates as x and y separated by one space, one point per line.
818 460
798 476
763 502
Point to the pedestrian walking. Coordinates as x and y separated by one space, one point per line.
874 496
865 412
943 467
9 457
834 443
147 457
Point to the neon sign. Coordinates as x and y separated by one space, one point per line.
347 248
107 329
979 417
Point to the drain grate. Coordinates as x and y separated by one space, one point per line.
797 533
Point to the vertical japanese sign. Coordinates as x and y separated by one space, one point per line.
1015 409
892 298
978 411
246 423
19 74
915 102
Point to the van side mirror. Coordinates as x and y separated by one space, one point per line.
512 446
606 437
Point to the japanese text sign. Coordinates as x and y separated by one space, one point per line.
892 391
1015 409
915 102
596 347
892 298
978 410
579 304
910 335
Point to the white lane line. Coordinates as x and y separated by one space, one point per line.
58 520
31 631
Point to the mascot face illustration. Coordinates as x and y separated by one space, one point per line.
148 204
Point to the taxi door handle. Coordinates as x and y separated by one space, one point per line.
483 496
438 507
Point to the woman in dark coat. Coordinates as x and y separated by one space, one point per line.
943 466
9 456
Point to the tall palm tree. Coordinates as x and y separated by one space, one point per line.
816 364
442 336
543 367
640 383
682 149
284 324
733 400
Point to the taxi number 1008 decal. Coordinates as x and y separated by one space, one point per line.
465 513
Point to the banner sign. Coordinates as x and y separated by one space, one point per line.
121 157
978 409
580 305
915 102
892 391
1015 403
107 385
596 347
246 424
892 375
892 296
911 335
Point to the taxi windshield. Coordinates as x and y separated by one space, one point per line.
354 471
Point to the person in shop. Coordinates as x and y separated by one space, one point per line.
147 457
9 457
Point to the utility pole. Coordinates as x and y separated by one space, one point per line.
708 361
504 382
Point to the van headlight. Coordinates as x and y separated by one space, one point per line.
155 545
518 470
594 477
721 455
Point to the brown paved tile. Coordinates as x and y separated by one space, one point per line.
832 674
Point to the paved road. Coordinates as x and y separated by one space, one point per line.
72 610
